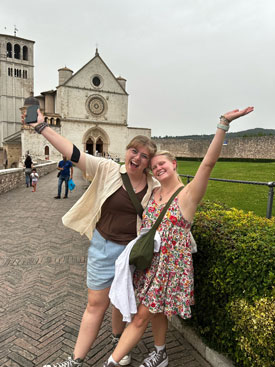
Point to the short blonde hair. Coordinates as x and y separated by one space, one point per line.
141 140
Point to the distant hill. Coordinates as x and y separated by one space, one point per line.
246 133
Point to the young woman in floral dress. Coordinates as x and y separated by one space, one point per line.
166 288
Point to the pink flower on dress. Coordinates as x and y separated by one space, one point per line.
164 250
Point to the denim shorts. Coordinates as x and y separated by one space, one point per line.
102 255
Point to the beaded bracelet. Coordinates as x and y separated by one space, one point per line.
40 127
224 119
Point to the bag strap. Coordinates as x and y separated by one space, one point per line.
164 210
132 194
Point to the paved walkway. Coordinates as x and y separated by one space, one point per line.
43 287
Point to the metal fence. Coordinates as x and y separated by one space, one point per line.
271 186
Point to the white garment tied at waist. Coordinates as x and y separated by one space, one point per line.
122 293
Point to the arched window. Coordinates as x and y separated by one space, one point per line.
46 119
52 121
47 152
17 51
25 53
9 49
58 122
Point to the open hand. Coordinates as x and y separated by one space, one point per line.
232 115
40 118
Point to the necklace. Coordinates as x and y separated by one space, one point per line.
160 195
135 188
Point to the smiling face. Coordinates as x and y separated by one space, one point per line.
137 160
163 167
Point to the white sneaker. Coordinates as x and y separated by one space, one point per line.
127 358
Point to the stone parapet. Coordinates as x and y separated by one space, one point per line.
15 177
258 147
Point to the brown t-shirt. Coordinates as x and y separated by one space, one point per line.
118 219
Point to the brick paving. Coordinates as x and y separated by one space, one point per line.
43 286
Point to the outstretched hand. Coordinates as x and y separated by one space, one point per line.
235 114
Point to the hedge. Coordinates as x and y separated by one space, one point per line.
235 284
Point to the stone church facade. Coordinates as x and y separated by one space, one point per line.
16 83
88 107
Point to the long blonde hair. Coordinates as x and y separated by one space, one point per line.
170 157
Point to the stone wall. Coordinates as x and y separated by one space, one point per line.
15 177
13 154
262 147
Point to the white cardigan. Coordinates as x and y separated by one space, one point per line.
105 175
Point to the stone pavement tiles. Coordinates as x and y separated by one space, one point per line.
43 284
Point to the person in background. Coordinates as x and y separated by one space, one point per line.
34 179
166 288
28 169
65 168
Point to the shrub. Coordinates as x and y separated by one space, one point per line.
255 330
234 271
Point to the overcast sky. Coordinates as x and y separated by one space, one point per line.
186 61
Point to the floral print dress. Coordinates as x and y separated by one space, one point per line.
168 285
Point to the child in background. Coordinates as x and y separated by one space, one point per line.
34 179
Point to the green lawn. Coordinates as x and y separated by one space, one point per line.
240 196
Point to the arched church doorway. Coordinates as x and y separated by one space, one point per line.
90 146
99 147
96 142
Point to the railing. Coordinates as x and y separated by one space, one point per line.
271 186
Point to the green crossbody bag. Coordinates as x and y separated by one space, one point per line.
143 250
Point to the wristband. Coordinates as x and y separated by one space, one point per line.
75 155
40 127
223 127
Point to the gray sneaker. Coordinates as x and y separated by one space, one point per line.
127 358
68 363
156 359
110 364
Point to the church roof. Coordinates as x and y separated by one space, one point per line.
31 100
48 92
13 138
66 69
97 56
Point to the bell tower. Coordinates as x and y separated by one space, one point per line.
16 81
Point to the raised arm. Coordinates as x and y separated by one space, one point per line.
63 145
196 189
